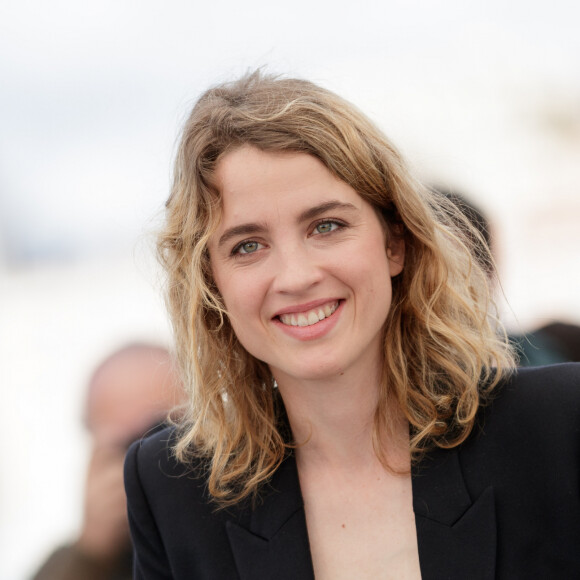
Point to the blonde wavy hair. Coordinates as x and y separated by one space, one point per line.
443 353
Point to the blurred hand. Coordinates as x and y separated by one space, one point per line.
105 529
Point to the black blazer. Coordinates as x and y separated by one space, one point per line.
505 504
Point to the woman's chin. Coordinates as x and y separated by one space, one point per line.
328 371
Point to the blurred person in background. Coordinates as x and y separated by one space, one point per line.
553 343
129 395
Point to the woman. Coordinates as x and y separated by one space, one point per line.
353 411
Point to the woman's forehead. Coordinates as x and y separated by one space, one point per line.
250 180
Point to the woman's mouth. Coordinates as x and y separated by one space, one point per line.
309 317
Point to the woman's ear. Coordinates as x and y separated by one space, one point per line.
396 254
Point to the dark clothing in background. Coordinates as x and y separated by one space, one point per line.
554 343
69 563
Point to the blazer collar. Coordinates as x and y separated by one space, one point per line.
456 536
271 540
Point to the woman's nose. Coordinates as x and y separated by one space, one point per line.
297 270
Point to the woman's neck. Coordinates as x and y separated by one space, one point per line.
332 421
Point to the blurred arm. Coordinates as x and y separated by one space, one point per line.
70 563
101 549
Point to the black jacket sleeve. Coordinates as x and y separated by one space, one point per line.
150 560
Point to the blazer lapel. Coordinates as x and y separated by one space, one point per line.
456 537
271 540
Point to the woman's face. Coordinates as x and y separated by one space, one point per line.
301 263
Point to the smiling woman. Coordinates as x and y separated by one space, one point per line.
338 341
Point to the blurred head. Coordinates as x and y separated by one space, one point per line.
130 392
479 234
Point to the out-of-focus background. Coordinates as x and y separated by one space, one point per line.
482 97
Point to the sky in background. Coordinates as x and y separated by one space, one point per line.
480 96
93 93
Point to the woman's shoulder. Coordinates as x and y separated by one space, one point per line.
528 431
156 482
534 404
175 526
544 388
156 444
152 458
564 376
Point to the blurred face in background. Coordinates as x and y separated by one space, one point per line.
129 394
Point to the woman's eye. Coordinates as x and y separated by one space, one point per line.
246 248
326 227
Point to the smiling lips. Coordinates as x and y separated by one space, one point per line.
309 317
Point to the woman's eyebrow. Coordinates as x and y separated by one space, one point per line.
259 228
315 211
241 230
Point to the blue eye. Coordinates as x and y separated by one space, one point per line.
246 248
326 227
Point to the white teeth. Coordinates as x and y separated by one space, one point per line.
302 320
311 317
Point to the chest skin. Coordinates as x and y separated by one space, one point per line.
361 524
